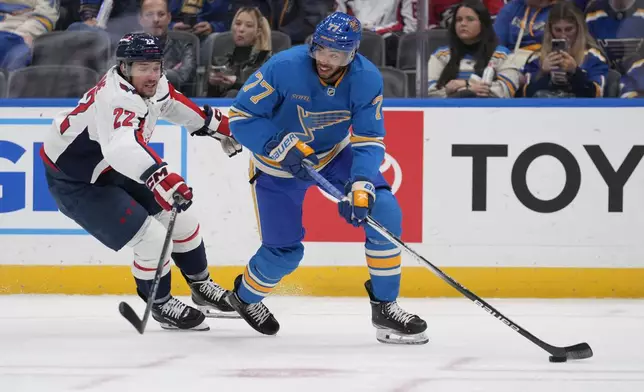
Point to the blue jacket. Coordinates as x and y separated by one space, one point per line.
606 23
632 83
216 12
515 14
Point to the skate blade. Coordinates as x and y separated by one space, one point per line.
199 328
211 312
388 336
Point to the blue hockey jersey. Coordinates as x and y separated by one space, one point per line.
286 95
632 83
606 23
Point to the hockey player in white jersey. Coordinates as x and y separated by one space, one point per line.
104 176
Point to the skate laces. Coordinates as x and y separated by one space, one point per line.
173 308
258 312
212 290
397 313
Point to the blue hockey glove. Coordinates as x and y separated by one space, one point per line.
361 195
292 153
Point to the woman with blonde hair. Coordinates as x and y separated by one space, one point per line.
252 37
569 63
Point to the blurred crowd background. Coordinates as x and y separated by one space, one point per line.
470 48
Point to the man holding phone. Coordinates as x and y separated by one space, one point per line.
200 17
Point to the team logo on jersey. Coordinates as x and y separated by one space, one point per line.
330 91
355 26
312 121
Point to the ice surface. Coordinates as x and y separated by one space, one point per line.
77 343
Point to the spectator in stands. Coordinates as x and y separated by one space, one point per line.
179 60
520 24
200 17
441 12
22 21
607 19
296 18
456 71
632 83
577 69
68 11
389 18
252 36
120 21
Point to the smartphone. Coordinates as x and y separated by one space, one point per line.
219 68
189 19
559 45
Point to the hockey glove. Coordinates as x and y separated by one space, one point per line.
291 153
228 143
361 195
164 184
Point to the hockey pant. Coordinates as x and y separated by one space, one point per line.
120 212
279 209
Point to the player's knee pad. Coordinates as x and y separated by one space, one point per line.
147 245
387 212
277 262
185 236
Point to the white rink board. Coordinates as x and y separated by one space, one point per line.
583 234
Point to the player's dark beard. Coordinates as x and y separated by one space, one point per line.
334 76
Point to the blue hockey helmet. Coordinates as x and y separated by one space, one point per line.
139 47
340 33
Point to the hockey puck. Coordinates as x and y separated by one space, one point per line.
557 359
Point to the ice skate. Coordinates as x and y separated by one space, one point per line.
393 324
175 315
210 298
256 315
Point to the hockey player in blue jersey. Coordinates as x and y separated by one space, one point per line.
296 110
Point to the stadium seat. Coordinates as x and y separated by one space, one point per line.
395 82
407 47
191 87
611 89
3 84
280 41
51 81
372 46
411 82
88 49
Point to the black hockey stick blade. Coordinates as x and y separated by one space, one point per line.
577 351
130 315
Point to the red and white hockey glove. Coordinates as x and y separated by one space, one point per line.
165 184
220 132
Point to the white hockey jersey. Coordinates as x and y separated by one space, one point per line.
382 16
111 126
28 17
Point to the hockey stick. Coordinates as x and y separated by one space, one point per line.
125 309
558 354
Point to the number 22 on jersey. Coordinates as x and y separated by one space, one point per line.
127 121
